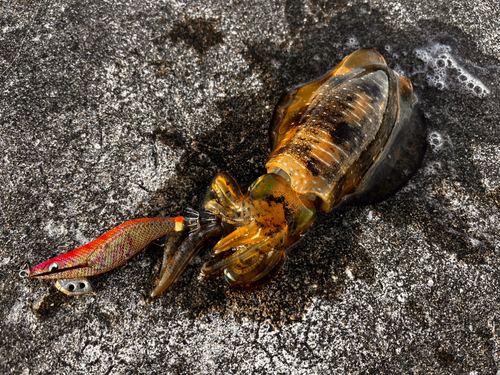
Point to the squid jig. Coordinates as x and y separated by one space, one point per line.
353 137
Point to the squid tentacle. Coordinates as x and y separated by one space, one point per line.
175 263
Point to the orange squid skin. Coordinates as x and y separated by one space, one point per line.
352 137
109 251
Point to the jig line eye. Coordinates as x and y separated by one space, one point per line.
24 273
53 267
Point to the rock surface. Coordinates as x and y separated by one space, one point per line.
111 111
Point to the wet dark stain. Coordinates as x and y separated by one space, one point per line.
444 358
197 33
48 306
362 267
240 137
316 266
441 226
294 14
170 137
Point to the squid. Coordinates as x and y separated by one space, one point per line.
352 137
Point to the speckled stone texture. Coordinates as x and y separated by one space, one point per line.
111 111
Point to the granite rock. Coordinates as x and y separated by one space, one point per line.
111 111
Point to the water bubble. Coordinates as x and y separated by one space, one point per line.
352 42
441 69
437 141
433 168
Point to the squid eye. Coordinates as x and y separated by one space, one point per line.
53 267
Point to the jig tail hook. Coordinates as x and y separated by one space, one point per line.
210 219
192 220
210 216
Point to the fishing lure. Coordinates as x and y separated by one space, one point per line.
353 137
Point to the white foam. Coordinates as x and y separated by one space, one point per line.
437 141
443 71
433 168
391 51
352 42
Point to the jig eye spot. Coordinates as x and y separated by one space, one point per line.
53 267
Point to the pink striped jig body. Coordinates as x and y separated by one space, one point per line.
109 251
